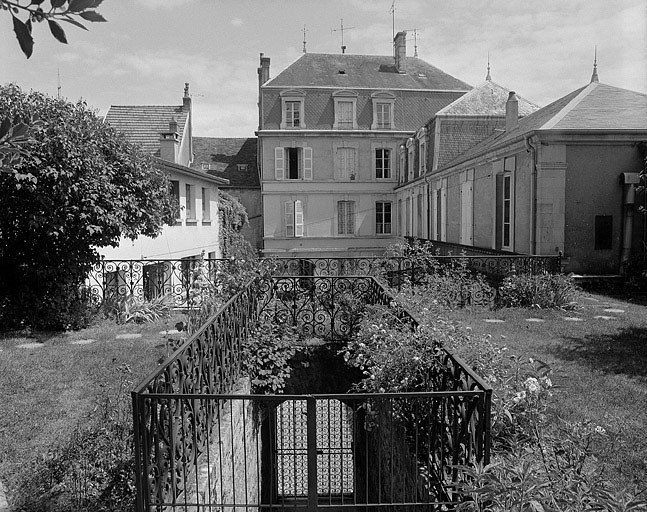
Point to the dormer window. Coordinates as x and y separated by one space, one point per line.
383 109
345 110
242 167
206 167
422 150
292 109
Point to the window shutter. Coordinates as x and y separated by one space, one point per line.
289 218
307 163
298 218
279 163
351 217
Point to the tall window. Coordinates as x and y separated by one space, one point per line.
292 114
410 159
346 217
293 163
422 157
293 218
346 163
382 163
345 114
419 215
383 112
383 218
507 211
175 192
189 205
292 107
206 204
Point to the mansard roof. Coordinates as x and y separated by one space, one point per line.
364 72
231 158
143 124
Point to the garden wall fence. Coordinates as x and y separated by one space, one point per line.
201 446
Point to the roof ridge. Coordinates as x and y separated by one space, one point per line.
569 107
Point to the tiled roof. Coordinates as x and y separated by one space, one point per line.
593 107
224 155
603 107
364 71
142 124
488 99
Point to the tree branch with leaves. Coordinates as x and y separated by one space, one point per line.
25 13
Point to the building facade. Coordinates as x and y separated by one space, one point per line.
165 132
329 133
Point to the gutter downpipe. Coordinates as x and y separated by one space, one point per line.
629 182
533 193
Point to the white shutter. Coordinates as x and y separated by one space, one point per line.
307 163
289 218
350 217
298 218
279 163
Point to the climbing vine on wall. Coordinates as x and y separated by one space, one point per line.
233 217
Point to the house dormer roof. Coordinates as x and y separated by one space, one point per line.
364 72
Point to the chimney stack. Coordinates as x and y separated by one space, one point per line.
186 100
170 142
512 112
400 44
264 70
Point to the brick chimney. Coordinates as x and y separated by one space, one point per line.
264 70
170 142
512 112
400 47
186 99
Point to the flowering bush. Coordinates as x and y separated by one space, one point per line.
538 291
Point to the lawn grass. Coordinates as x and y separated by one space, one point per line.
49 389
599 365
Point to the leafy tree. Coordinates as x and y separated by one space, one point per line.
78 186
68 11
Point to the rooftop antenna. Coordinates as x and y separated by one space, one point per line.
304 38
58 82
392 11
341 29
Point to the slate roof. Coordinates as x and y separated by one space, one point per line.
488 99
223 155
142 124
364 71
594 107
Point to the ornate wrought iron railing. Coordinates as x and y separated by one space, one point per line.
195 443
150 279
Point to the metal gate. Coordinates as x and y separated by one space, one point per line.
329 442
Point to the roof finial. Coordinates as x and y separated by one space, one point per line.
186 89
304 39
594 76
488 77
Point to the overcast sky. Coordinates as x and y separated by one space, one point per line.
149 48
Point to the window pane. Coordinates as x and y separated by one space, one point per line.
345 114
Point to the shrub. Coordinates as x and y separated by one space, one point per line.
131 309
543 291
265 355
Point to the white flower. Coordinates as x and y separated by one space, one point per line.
599 430
518 397
547 382
532 385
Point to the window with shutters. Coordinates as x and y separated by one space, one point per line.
189 202
345 217
206 205
293 218
293 163
383 218
346 163
419 223
382 163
